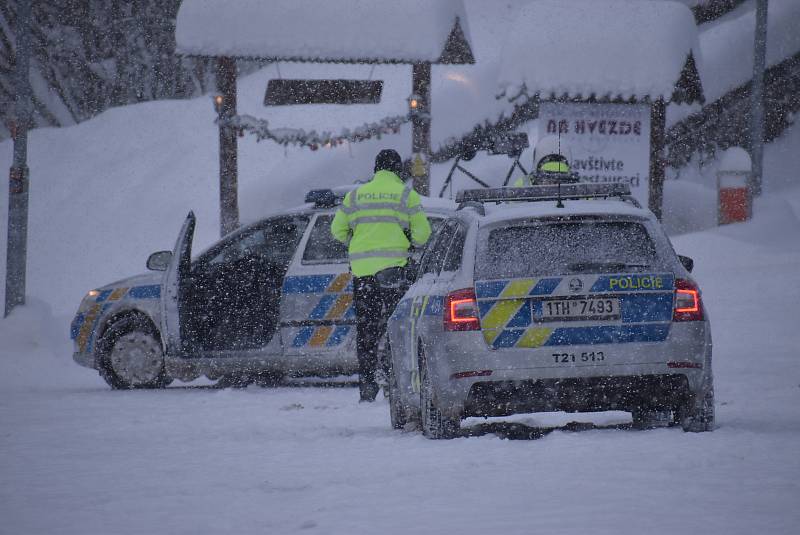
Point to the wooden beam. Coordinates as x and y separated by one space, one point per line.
282 92
228 164
657 160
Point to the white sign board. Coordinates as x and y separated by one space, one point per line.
606 143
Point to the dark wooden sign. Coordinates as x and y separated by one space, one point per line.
287 92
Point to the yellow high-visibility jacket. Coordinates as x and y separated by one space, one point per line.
372 219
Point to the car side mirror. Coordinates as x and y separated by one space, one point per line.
687 262
159 261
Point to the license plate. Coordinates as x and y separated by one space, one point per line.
606 308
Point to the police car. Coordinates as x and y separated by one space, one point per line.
563 297
271 299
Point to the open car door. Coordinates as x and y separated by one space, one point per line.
173 289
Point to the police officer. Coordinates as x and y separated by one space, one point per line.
378 222
550 156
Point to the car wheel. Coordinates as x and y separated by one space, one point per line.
434 424
132 355
698 417
397 410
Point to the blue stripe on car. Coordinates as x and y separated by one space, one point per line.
338 335
545 286
150 291
306 284
608 334
303 336
646 307
322 307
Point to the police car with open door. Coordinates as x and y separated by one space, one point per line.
564 297
271 299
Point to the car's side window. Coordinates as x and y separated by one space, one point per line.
452 261
434 257
235 249
322 247
274 240
281 238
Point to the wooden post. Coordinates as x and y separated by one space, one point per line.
17 244
657 160
228 165
757 99
421 124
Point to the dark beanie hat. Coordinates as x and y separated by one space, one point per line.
389 160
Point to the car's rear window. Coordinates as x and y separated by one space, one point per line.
564 247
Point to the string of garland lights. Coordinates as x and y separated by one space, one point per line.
313 140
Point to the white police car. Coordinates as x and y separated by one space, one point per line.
269 300
551 298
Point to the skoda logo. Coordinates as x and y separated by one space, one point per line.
575 285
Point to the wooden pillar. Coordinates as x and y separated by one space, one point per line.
17 244
657 159
757 100
228 165
421 127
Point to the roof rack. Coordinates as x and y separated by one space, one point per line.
550 192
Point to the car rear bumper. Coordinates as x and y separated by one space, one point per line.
470 378
501 398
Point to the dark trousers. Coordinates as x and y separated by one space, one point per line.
374 304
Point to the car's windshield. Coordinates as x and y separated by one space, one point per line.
551 248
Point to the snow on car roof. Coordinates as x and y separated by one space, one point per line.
506 211
407 30
605 48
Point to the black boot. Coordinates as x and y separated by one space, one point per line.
368 390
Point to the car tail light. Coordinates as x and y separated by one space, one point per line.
461 311
688 306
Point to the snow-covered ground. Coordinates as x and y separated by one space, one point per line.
76 457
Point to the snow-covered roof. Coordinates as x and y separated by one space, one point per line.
401 31
727 45
600 48
507 212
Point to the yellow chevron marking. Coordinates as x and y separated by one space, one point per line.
416 312
518 288
117 294
489 336
501 312
320 336
86 328
534 337
340 306
339 283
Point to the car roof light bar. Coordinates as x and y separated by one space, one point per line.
324 198
549 192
